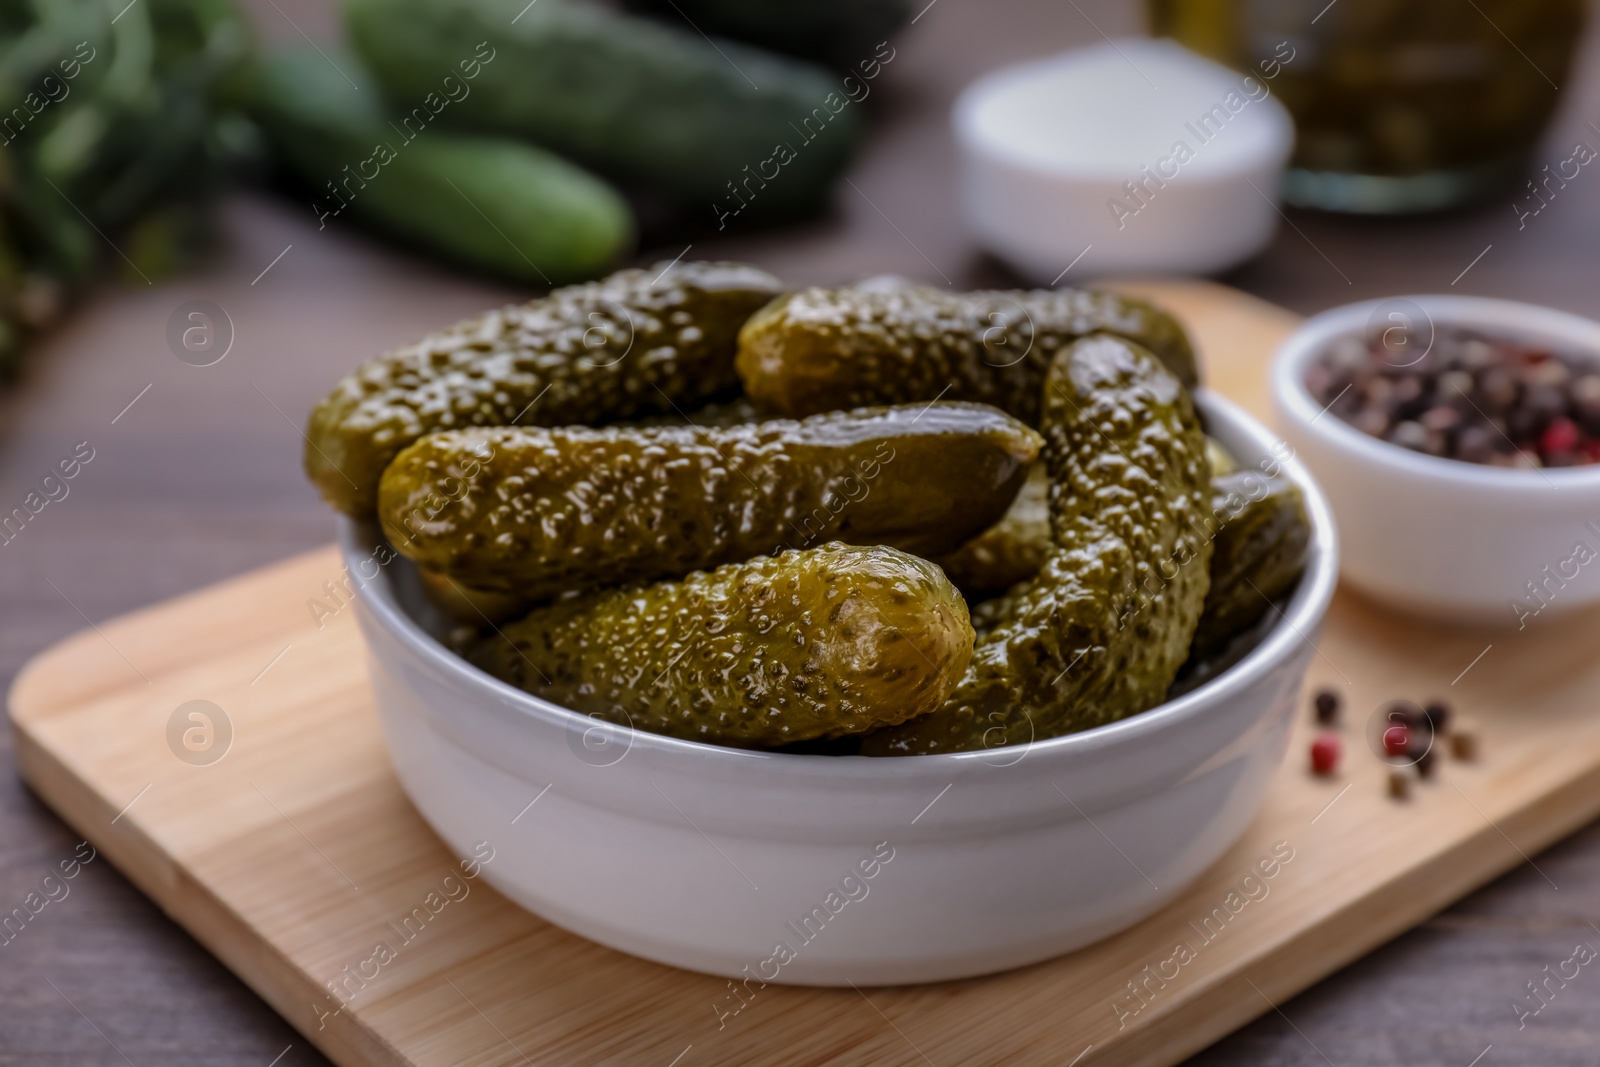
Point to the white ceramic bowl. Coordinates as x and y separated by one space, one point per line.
909 869
1460 541
1050 148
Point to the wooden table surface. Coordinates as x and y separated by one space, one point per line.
200 479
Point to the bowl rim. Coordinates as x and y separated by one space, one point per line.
1488 314
974 138
1300 619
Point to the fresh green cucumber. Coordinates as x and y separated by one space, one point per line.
494 204
714 123
841 33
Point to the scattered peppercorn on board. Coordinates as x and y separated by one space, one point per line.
295 856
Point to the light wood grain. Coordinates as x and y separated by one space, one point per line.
289 856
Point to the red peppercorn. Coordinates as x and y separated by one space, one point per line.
1560 437
1324 754
1396 740
1466 398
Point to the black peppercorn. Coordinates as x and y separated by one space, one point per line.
1499 402
1438 713
1411 716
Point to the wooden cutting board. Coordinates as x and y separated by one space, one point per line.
294 854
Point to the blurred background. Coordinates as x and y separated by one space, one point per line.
210 210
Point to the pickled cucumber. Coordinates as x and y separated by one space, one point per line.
1260 552
637 342
806 644
1100 632
1259 530
734 411
540 512
1010 551
821 349
1013 549
463 603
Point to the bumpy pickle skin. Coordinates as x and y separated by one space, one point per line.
1259 554
1100 632
806 644
821 349
635 343
541 512
1013 549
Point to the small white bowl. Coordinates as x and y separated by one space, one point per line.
1441 537
1049 149
872 871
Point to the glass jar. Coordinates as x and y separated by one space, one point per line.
1399 105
